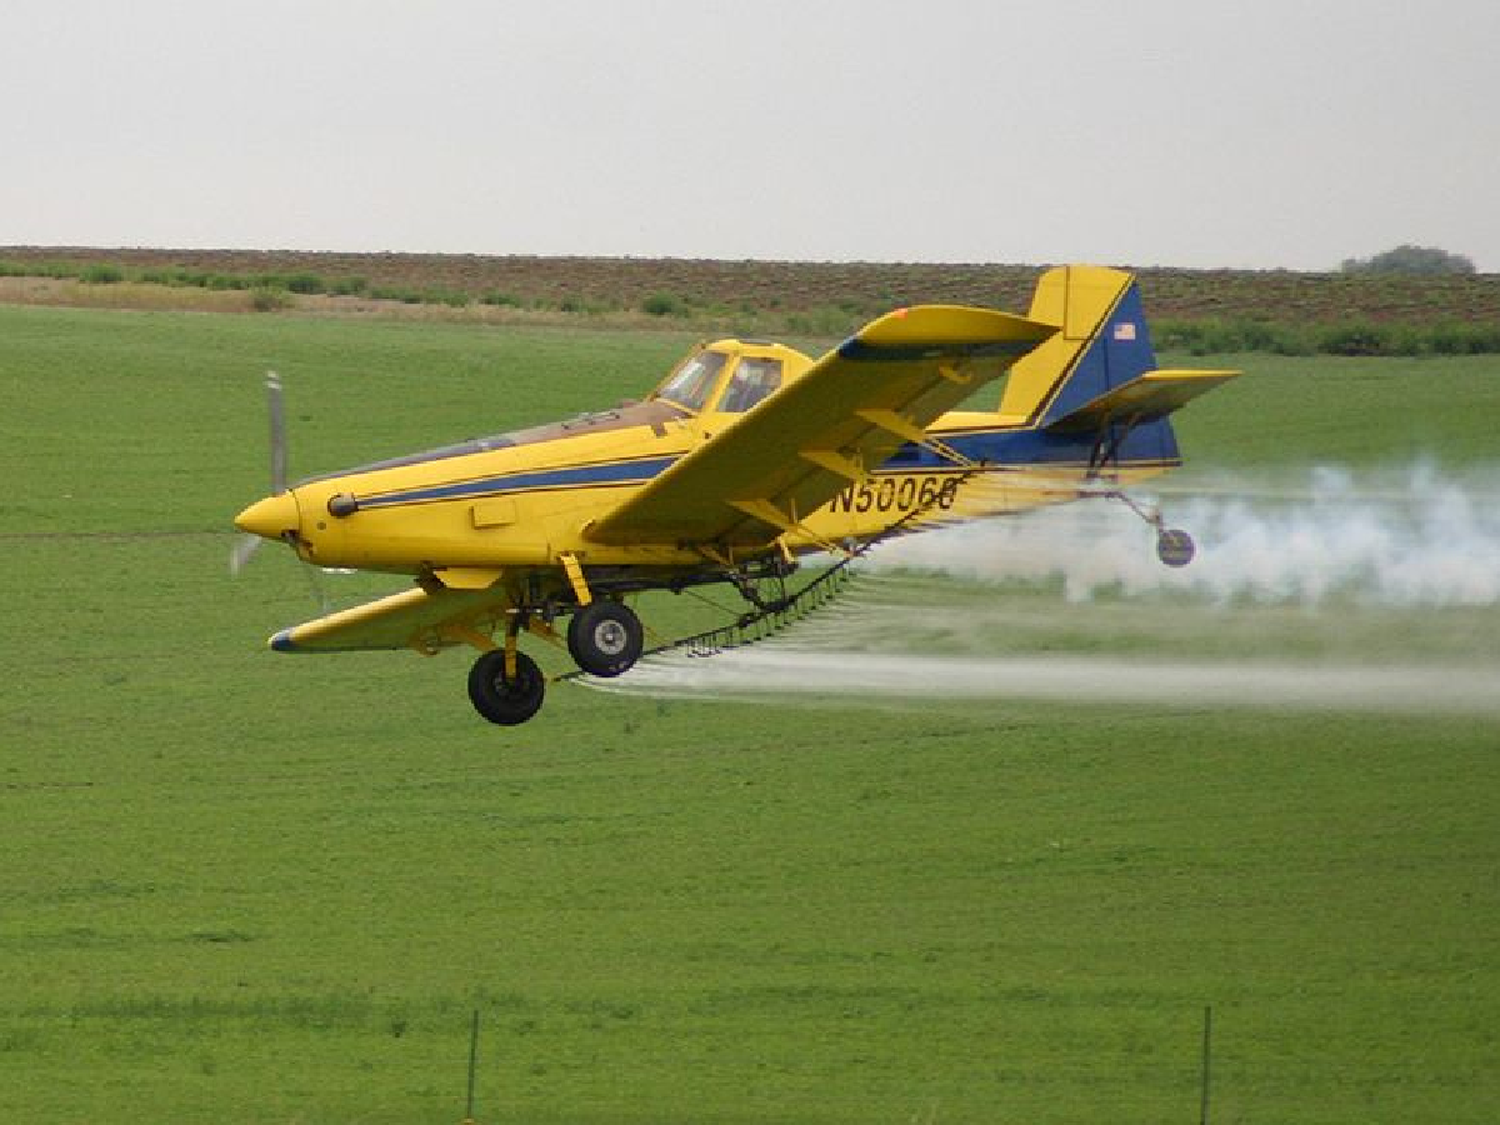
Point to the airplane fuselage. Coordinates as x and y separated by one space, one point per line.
527 503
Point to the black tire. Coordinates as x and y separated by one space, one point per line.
1175 548
508 702
605 638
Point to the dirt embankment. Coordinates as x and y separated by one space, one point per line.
728 288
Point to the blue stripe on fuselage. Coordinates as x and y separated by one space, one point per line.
1149 442
618 472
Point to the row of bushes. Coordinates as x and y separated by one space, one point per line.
1213 336
107 273
307 284
823 320
1200 336
271 290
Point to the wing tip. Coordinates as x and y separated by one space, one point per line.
930 331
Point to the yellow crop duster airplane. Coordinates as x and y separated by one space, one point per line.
747 457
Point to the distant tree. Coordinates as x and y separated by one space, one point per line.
1408 259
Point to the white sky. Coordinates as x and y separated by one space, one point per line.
1255 133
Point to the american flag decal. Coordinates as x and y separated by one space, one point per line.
1125 330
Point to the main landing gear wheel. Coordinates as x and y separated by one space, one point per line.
605 638
1175 547
507 701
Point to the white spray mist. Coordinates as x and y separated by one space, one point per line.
1368 560
1421 540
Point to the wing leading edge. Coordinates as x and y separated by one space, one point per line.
421 619
795 451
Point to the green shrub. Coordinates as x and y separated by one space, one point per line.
1356 338
266 298
101 273
1408 339
1464 339
306 283
59 270
1449 339
664 304
1292 339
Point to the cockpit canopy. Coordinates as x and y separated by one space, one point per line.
730 376
727 376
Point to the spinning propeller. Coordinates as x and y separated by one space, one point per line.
273 511
240 554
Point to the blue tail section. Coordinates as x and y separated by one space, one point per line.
1105 344
1117 350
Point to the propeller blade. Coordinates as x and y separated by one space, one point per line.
278 433
243 548
246 545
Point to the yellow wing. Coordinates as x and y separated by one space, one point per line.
417 618
795 451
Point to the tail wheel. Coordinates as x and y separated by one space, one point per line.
605 638
508 701
1175 547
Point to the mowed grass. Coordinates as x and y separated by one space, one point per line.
244 887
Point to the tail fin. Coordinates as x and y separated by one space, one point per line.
1104 342
1100 368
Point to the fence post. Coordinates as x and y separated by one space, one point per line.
1208 1032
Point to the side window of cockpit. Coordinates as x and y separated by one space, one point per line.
753 380
694 380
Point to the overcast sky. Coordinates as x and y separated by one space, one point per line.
1262 133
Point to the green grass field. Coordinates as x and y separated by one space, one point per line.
241 887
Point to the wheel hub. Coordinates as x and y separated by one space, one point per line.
611 638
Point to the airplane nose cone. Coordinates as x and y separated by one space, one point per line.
271 518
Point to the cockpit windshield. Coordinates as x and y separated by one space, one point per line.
692 383
754 378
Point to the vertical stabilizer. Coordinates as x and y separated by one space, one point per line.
1104 342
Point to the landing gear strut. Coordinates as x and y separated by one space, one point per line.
506 687
1174 547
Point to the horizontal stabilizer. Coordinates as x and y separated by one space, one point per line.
1143 399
